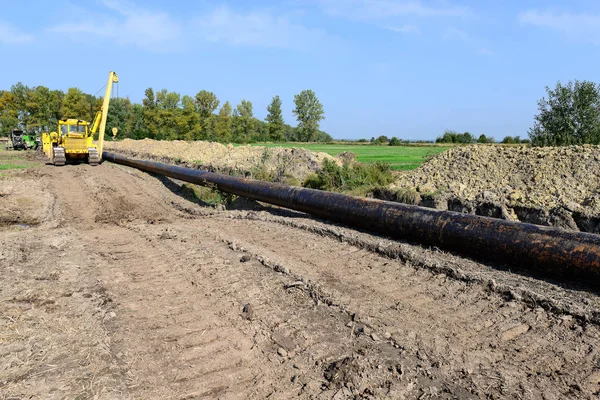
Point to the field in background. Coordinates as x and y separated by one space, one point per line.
400 158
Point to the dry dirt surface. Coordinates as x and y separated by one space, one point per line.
548 186
115 287
276 164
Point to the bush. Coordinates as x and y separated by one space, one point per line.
407 196
381 140
350 177
395 141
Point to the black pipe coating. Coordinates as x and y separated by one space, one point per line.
554 251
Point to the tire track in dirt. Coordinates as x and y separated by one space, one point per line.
146 292
472 334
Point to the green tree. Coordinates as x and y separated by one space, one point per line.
206 103
451 136
189 126
275 120
9 113
223 123
168 112
20 97
150 113
309 113
508 140
76 105
394 141
482 139
117 116
135 128
243 124
569 115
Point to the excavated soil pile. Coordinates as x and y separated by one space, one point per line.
547 186
277 164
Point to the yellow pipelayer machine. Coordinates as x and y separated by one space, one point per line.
74 139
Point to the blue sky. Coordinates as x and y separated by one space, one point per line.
405 68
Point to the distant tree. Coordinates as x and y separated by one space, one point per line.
188 122
150 113
508 140
168 108
309 113
135 128
243 124
394 141
570 115
9 113
482 139
275 120
363 140
118 111
324 137
382 139
451 136
467 138
206 103
223 123
76 105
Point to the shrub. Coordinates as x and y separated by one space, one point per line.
395 141
350 176
408 196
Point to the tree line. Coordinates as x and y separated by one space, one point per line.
164 115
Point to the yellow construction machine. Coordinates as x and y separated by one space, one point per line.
75 138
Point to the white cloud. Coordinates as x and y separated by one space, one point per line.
11 35
485 52
579 26
127 25
404 29
380 9
255 29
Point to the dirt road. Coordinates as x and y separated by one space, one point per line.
114 286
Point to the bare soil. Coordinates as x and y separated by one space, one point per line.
555 186
277 164
114 286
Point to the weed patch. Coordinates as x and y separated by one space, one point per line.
350 177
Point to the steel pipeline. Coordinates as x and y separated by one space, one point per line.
554 251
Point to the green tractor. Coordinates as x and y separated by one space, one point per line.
19 140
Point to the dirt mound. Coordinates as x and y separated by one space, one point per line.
275 164
548 186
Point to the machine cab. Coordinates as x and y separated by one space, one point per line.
73 128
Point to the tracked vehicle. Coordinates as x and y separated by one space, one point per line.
74 139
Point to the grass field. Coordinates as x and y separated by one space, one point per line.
11 159
400 158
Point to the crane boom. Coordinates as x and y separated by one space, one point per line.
103 113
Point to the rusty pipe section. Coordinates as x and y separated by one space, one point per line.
554 251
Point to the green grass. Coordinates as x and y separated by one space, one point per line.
13 159
400 158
